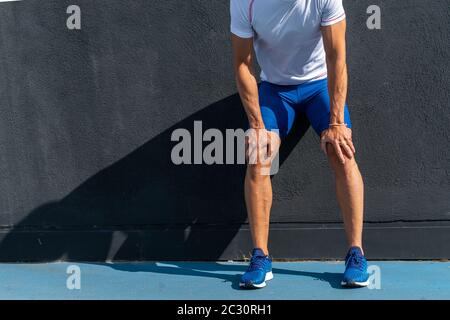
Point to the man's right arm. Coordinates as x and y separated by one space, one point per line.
246 80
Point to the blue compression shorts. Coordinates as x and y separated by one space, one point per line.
281 104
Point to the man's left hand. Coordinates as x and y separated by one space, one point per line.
340 137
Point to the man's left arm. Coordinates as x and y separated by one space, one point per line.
337 134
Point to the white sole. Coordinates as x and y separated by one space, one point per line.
355 284
269 276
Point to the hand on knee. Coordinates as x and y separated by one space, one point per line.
261 148
337 143
343 169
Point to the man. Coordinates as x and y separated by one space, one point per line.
300 47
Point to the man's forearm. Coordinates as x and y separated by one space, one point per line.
337 87
248 91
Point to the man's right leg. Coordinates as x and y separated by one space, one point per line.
258 196
278 115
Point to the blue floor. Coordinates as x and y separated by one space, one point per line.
189 280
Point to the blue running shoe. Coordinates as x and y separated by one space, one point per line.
259 271
355 274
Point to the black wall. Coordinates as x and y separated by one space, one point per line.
86 118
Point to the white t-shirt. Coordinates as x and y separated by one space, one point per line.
286 36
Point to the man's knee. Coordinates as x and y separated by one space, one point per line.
344 169
260 153
258 171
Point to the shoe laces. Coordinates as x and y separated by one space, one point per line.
355 260
257 263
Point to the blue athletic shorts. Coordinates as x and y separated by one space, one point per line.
281 105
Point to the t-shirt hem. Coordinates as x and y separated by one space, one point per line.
295 82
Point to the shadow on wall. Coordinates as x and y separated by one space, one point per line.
143 207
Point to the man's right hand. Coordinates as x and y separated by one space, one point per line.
261 146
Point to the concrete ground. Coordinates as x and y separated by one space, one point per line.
211 280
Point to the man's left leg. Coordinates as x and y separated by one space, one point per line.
350 196
348 180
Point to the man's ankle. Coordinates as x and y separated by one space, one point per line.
356 245
263 249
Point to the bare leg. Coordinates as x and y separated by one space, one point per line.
258 199
350 196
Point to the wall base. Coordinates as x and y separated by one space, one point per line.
395 241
